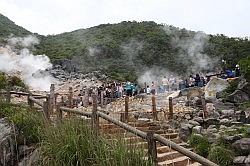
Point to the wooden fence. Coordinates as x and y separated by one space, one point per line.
49 104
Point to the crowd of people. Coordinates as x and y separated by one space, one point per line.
166 84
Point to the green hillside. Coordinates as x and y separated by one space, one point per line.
127 49
8 27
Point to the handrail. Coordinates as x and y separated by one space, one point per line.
36 101
75 111
123 125
184 151
143 134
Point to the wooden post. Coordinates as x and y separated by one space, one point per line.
122 118
46 110
52 98
152 151
145 86
86 97
30 102
8 96
154 108
102 93
126 109
203 102
95 117
58 113
171 113
69 104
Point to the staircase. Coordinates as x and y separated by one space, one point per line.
165 155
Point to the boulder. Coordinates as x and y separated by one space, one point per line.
7 143
185 132
213 86
244 86
242 146
238 96
239 160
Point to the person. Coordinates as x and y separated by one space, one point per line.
148 90
128 89
165 84
135 90
237 70
191 81
153 88
197 79
171 83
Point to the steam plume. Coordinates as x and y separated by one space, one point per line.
31 68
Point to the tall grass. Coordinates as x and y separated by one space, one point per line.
73 143
27 122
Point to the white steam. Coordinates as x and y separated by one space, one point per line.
29 67
23 41
191 52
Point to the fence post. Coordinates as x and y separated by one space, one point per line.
102 93
154 108
171 113
69 104
59 113
30 102
152 150
86 97
8 96
95 117
46 110
126 109
52 98
203 102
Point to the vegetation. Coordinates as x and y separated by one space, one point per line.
10 82
73 143
221 156
200 144
8 27
125 50
28 122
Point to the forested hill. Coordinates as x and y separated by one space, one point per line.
127 49
8 27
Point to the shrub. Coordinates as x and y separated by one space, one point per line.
200 144
221 156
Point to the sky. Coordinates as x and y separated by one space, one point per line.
48 17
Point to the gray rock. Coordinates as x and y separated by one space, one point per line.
238 96
7 143
224 121
242 146
223 127
229 112
196 130
232 139
244 86
239 160
185 133
192 122
247 160
211 126
198 119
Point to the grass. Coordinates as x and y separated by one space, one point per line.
73 143
27 122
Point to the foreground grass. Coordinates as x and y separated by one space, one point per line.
73 143
27 122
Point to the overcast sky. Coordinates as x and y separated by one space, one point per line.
229 17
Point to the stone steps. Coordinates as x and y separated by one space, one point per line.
165 155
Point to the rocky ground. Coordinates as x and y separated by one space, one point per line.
226 118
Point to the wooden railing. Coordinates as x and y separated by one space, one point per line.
95 115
